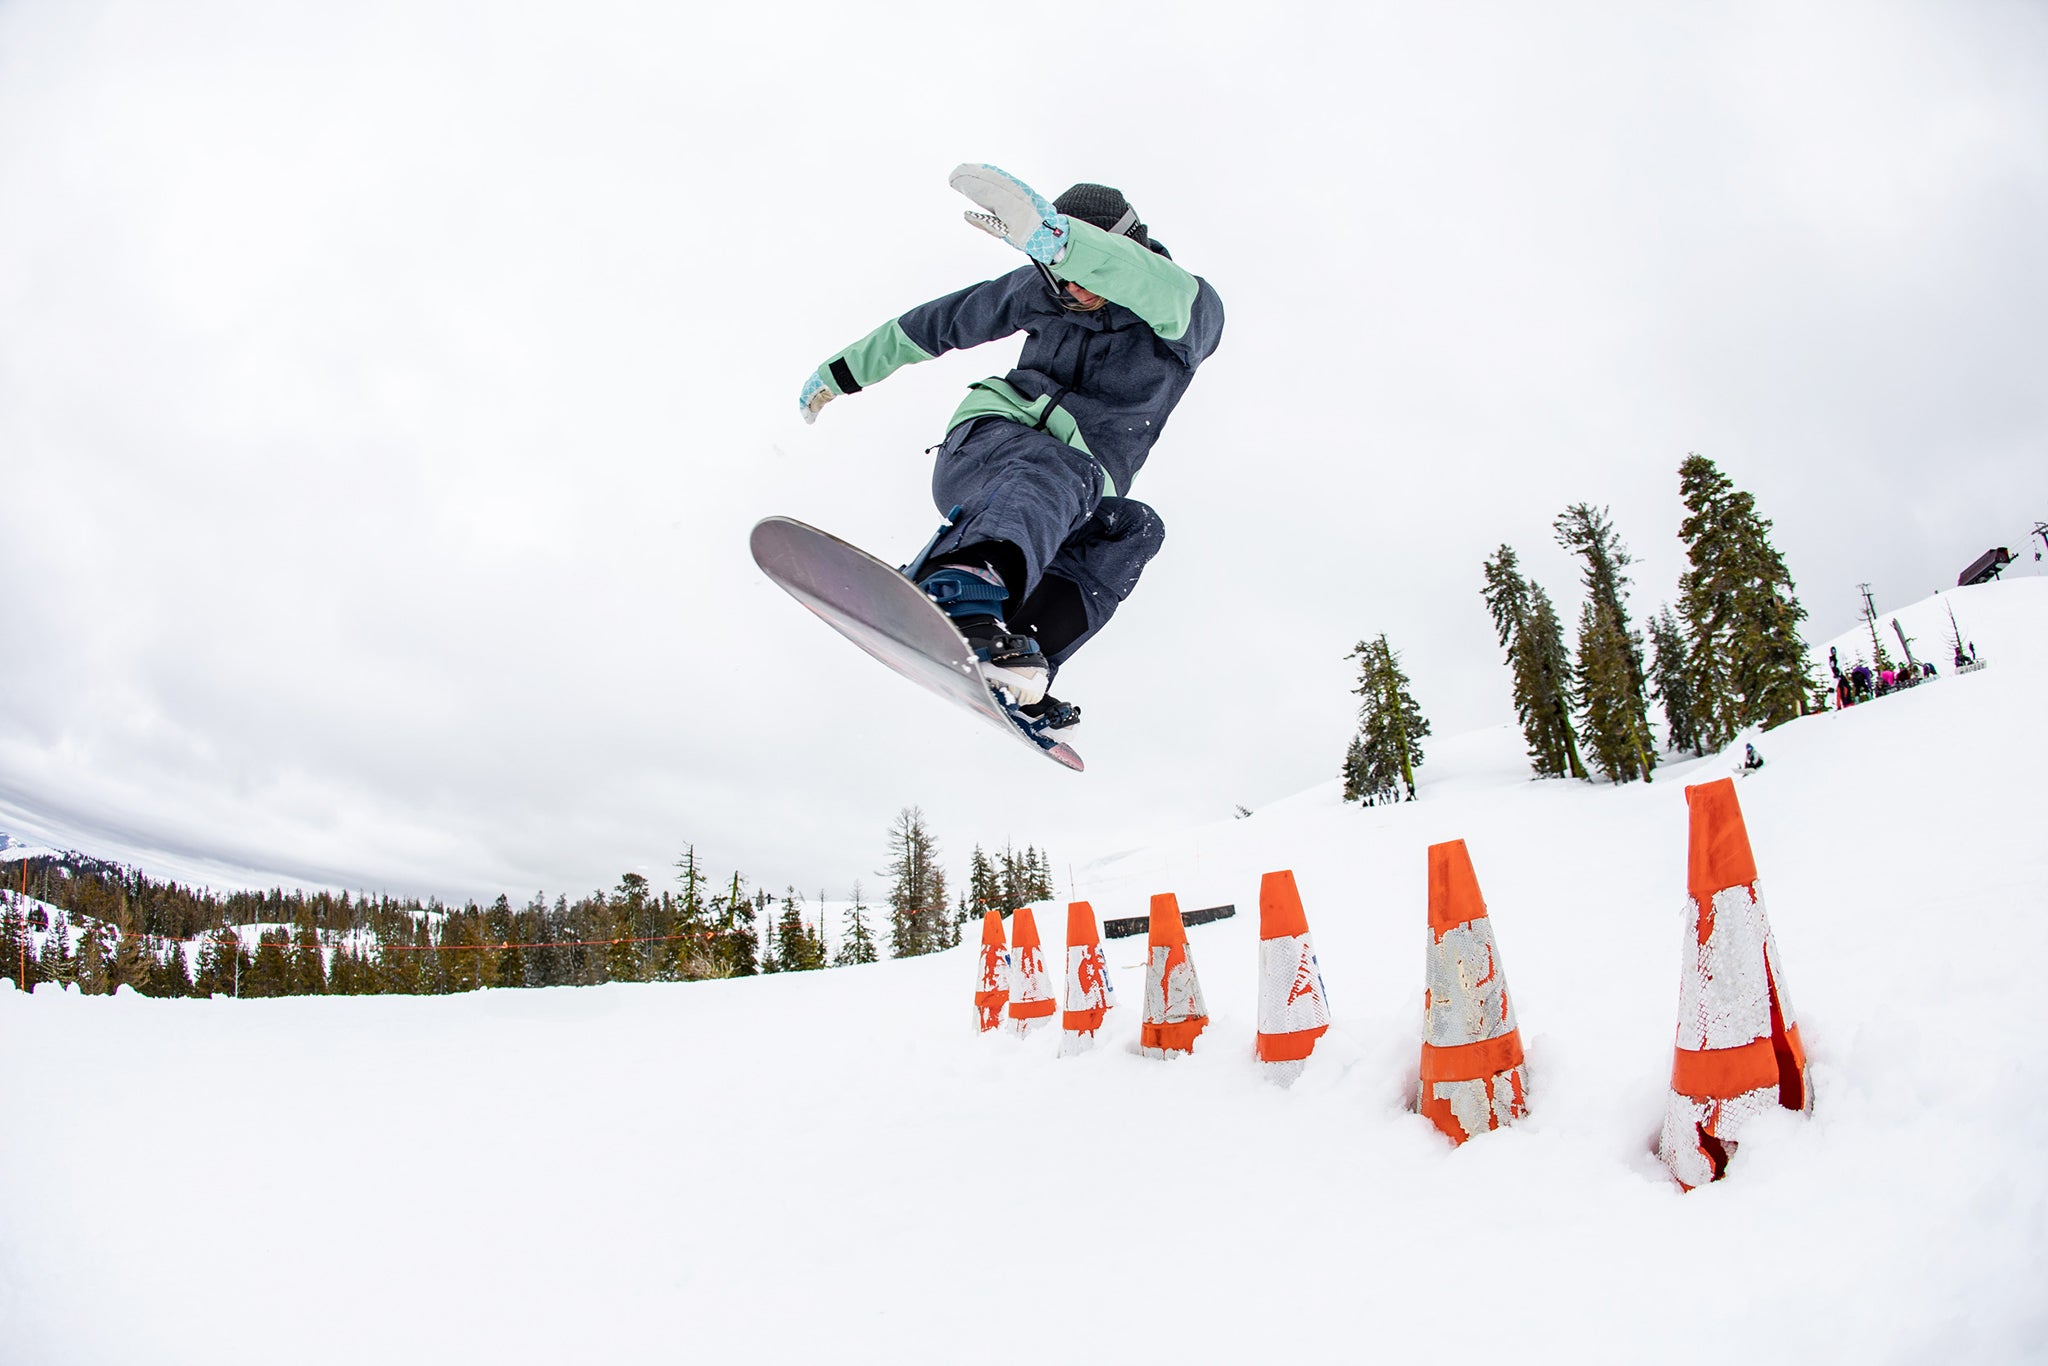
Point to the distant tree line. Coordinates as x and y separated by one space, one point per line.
1729 657
109 926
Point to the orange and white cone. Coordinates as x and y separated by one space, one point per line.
1293 1009
1473 1079
1174 1010
1090 993
1738 1048
992 987
1031 1002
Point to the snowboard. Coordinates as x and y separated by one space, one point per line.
878 608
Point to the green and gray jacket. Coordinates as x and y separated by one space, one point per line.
1103 382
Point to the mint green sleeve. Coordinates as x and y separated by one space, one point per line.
1137 277
872 359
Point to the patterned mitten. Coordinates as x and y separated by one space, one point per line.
1012 211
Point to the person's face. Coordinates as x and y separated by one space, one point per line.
1085 299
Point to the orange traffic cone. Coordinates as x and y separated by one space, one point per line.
1031 1004
992 989
1090 993
1293 1010
1174 1011
1472 1074
1738 1048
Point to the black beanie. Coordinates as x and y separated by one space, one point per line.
1102 206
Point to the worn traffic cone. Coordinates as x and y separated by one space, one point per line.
1090 993
992 988
1472 1074
1293 1009
1738 1048
1174 1010
1031 1002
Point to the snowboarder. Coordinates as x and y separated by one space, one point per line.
1047 542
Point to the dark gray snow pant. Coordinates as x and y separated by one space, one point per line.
1082 552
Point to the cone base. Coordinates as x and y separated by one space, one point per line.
1463 1110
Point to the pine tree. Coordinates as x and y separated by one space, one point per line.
219 969
859 945
92 971
799 948
1610 676
1528 629
692 924
270 975
984 886
1746 664
131 963
1381 760
306 973
917 890
626 960
733 942
14 944
1671 682
173 977
58 965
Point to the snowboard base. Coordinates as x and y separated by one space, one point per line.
879 609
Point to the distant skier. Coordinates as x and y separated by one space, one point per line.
1048 542
1750 758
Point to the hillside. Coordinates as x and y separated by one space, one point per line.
833 1166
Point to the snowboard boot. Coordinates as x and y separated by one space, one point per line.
1051 717
973 596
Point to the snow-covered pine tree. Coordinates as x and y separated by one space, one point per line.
1381 761
1746 665
1671 682
858 946
1610 676
917 889
1530 632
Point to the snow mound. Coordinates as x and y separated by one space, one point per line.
835 1166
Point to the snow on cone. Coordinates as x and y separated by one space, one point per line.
1738 1050
1031 1003
1293 1008
1090 993
1174 1010
1472 1074
992 987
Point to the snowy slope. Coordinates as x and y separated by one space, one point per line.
833 1167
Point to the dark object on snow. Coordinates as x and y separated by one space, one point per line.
1750 758
1142 924
1985 567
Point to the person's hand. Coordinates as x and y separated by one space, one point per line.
1012 211
815 396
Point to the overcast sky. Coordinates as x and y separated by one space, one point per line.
387 389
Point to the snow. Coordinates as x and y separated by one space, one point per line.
834 1166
